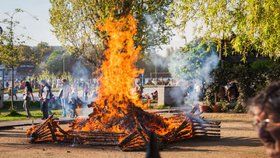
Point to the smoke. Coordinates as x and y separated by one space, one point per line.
80 72
81 76
191 69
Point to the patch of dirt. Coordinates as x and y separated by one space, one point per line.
238 140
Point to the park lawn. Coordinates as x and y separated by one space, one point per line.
36 113
34 90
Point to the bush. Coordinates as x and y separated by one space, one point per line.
250 78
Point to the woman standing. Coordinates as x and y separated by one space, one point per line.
28 93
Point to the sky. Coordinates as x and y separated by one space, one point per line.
38 30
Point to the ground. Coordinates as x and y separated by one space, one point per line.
238 140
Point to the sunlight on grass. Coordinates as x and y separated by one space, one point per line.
4 116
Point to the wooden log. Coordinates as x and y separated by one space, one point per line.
52 132
44 123
128 138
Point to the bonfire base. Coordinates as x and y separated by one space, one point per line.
50 131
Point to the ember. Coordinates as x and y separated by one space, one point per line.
118 117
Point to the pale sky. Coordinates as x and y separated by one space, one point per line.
41 30
38 30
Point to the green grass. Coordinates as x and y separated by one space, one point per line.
34 90
6 115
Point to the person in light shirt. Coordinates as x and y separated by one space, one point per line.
64 96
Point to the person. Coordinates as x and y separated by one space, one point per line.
64 96
28 93
85 91
232 91
265 108
14 92
7 84
45 97
74 101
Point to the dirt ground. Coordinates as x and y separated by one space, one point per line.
238 140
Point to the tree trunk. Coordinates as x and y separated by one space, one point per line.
12 90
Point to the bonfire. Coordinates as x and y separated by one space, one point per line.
119 116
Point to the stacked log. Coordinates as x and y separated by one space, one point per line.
48 131
184 128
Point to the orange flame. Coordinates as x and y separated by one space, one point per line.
118 73
117 108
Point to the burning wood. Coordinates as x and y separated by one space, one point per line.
118 117
137 139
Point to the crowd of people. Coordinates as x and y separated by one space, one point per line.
68 98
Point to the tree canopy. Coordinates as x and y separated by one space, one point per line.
75 23
248 24
10 55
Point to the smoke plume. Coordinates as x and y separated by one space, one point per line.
191 69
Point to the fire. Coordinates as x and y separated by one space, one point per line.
118 73
118 113
117 108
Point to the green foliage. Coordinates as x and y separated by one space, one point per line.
189 62
54 62
75 23
251 78
10 55
248 24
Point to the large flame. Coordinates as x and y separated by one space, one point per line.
115 92
118 69
118 108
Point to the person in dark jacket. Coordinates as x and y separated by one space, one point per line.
265 109
28 94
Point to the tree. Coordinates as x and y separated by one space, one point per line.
53 63
246 24
10 55
42 50
60 62
75 23
28 55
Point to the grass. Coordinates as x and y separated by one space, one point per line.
34 90
6 115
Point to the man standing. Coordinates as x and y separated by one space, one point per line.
64 96
45 97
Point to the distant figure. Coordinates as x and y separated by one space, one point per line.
64 96
154 95
265 109
155 81
28 93
74 101
232 91
7 84
14 92
85 91
46 96
221 94
168 82
149 82
58 83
